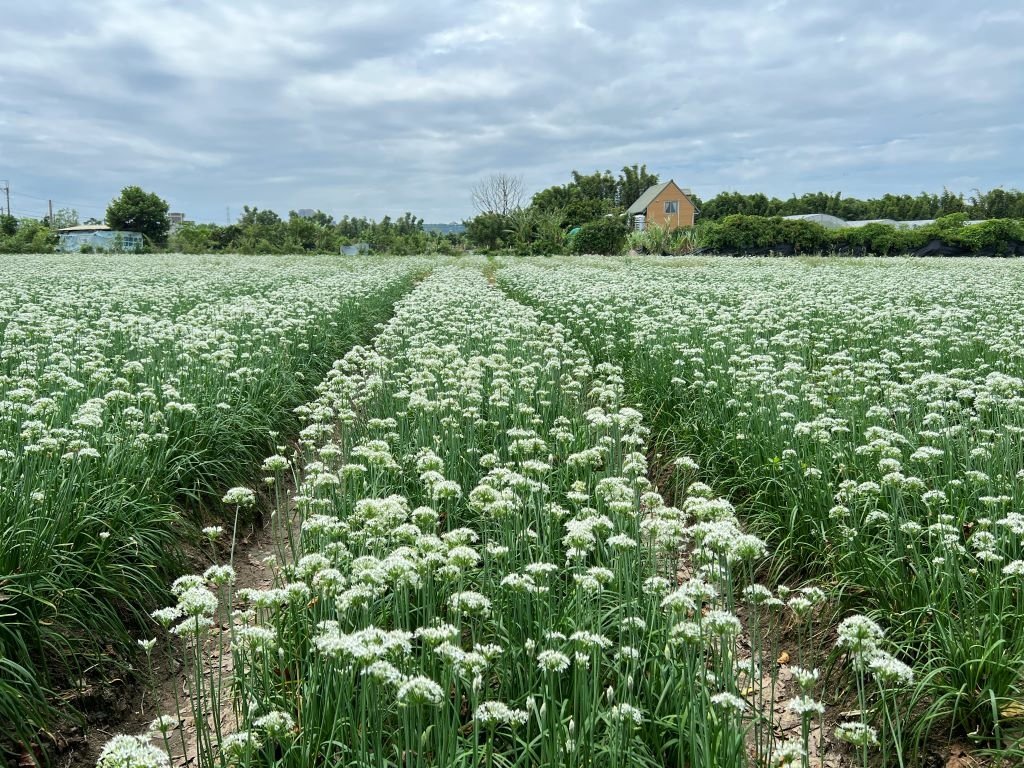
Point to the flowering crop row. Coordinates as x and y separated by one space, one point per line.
485 575
127 387
870 417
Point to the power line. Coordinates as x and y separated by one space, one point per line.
5 188
88 206
26 194
65 202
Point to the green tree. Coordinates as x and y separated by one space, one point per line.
353 228
65 217
597 186
302 234
949 202
28 236
488 230
139 211
583 199
255 217
997 204
581 210
633 181
313 234
554 198
194 238
319 218
408 224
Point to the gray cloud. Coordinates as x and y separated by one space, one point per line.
375 108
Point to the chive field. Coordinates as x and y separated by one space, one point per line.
867 417
531 512
132 392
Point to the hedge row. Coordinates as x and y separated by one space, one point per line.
948 236
602 236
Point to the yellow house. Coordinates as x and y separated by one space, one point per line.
665 205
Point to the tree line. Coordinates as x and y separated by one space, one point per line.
255 231
589 210
993 204
264 231
743 234
586 212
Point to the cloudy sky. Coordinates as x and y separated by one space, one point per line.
370 108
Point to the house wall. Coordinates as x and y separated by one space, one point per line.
72 242
656 210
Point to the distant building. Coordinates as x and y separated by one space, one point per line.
305 213
665 205
97 237
176 219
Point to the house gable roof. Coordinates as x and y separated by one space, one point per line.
642 202
647 198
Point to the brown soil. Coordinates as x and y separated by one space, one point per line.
131 709
825 750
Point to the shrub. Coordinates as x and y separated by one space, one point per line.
604 236
805 236
663 241
737 233
740 233
997 235
25 236
880 239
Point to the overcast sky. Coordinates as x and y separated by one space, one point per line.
373 108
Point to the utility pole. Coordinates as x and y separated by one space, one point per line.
49 204
7 191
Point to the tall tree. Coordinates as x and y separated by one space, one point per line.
139 211
634 180
255 217
499 193
591 196
596 186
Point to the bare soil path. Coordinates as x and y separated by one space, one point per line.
136 709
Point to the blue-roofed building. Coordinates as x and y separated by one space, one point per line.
97 237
